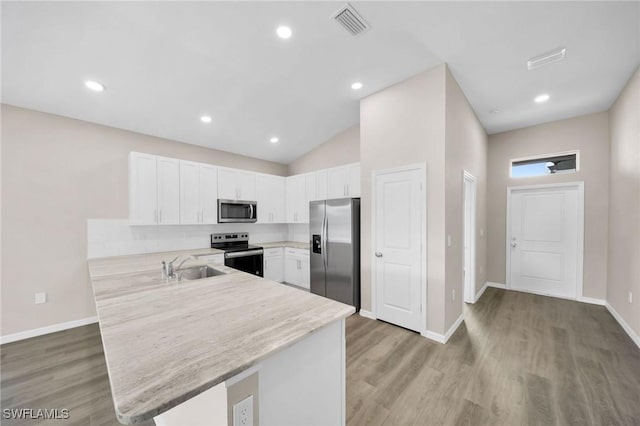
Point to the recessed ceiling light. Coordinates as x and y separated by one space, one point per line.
284 32
274 140
356 86
541 98
205 119
94 85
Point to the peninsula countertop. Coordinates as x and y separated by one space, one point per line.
166 342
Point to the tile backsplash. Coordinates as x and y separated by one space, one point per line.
114 237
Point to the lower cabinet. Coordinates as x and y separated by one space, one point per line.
297 267
274 264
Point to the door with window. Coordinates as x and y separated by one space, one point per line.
544 241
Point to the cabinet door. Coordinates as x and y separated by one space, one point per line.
143 187
305 272
270 195
228 184
189 192
168 191
292 270
278 200
353 184
208 194
321 185
274 268
337 179
296 187
246 186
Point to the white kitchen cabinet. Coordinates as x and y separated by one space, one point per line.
154 190
198 193
270 195
236 185
274 264
297 267
297 205
343 181
319 191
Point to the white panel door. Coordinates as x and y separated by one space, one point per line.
168 191
143 189
543 240
208 193
189 192
398 251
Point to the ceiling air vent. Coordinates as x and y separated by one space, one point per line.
351 20
547 58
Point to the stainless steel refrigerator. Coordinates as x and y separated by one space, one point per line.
334 233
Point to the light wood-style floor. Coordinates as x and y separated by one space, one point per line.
518 359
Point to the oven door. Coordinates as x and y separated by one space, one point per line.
249 261
235 211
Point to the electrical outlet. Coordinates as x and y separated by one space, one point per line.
453 294
243 412
40 298
630 297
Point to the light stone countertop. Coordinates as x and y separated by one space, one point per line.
166 342
292 244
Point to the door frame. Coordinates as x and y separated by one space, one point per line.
579 185
422 167
469 291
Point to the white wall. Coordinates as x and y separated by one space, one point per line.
623 273
343 148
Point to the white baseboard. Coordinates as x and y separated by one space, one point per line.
443 338
46 330
592 301
626 327
481 292
495 285
367 314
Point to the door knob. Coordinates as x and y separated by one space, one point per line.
513 242
378 254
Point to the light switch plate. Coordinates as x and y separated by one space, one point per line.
243 412
40 298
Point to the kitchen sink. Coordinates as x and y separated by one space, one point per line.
198 272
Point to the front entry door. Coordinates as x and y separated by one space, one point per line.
398 231
544 240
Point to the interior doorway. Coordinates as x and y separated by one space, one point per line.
469 189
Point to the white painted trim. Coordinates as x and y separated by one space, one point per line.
540 157
422 167
496 285
592 301
367 314
440 338
580 224
46 330
469 294
481 292
626 327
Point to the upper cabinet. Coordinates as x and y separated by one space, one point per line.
297 200
198 193
236 185
270 192
154 191
343 181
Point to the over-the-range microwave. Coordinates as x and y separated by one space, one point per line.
237 211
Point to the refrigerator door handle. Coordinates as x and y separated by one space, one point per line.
324 241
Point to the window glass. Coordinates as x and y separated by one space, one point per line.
548 165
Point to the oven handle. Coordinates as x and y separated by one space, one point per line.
243 253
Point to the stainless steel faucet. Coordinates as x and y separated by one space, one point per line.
170 270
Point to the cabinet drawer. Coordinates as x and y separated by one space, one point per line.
277 251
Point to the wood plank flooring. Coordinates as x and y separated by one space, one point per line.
517 359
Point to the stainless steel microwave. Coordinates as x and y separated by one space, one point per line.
237 211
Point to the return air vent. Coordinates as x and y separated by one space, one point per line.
351 20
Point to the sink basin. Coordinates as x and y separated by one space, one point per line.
198 272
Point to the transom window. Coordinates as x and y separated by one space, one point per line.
566 162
